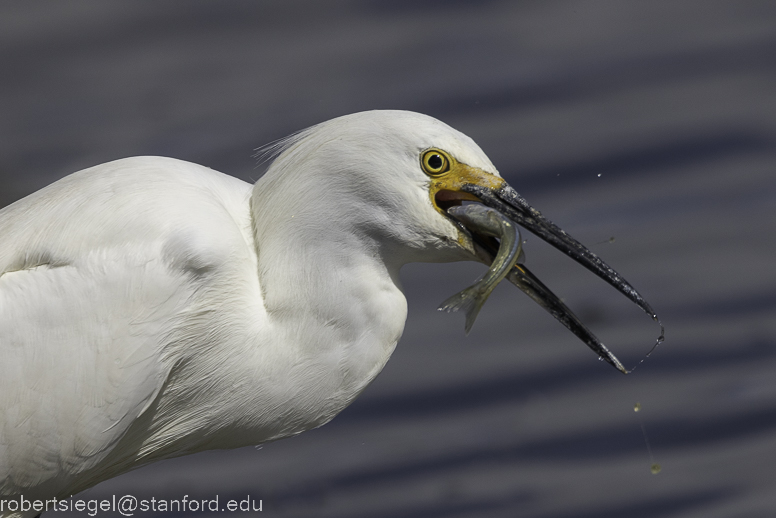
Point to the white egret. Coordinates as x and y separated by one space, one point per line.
151 308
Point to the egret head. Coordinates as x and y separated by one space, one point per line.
366 172
393 175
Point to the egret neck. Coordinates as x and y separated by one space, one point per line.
331 290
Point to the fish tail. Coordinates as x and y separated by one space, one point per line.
472 311
469 300
461 300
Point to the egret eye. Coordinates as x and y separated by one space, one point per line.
435 162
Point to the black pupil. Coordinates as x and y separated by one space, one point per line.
435 162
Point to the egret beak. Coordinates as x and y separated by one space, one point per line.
465 183
507 201
522 277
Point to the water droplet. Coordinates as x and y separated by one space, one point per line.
600 358
258 447
655 467
599 175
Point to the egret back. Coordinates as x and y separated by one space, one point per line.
98 272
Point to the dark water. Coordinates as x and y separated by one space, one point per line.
650 122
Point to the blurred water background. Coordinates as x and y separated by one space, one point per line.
652 123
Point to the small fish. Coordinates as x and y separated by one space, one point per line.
491 223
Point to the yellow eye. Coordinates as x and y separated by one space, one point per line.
435 162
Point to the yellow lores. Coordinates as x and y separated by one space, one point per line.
448 176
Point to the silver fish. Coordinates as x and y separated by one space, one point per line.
488 222
483 223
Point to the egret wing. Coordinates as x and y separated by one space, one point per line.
95 272
81 360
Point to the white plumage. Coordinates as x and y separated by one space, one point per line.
151 307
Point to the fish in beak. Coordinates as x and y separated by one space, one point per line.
465 183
